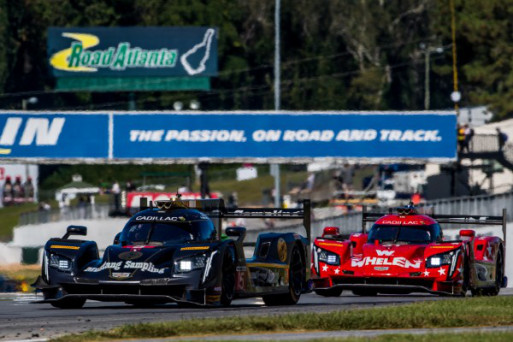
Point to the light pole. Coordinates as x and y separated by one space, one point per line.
427 53
275 168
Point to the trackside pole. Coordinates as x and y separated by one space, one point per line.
504 231
364 223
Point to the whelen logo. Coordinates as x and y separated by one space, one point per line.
377 261
36 131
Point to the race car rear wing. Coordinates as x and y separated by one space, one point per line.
216 209
303 213
448 219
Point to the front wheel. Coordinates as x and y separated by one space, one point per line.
333 292
296 278
228 280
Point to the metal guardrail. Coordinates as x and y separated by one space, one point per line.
89 212
490 205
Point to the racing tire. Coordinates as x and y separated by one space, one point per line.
333 292
499 274
69 303
365 293
296 280
227 280
466 278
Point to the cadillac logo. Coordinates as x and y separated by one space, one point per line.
132 255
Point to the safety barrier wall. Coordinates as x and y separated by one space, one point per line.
90 212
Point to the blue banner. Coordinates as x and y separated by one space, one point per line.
49 136
227 137
286 135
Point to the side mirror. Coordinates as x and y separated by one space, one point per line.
239 232
329 232
116 238
357 241
467 234
75 230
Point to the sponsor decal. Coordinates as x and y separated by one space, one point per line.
144 267
117 266
384 252
132 255
241 268
120 275
377 261
64 247
399 222
160 218
282 249
195 248
381 268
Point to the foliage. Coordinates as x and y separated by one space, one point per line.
358 55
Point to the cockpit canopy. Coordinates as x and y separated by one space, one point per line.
418 234
161 228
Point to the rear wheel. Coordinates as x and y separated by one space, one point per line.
296 278
69 303
365 292
499 274
333 292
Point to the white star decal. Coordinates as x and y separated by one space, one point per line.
337 271
460 270
311 264
426 273
441 271
324 268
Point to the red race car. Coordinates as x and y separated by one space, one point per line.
405 252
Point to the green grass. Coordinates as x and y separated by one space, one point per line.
467 312
249 191
9 217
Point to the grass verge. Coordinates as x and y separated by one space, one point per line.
484 311
10 217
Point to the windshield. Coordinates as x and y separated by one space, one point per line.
408 234
160 234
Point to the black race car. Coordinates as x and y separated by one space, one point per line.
177 252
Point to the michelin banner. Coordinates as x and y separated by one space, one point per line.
230 136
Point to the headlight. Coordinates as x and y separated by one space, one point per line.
189 264
60 263
440 259
328 257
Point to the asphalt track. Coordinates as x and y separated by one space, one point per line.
21 320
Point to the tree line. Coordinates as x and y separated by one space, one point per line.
336 54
